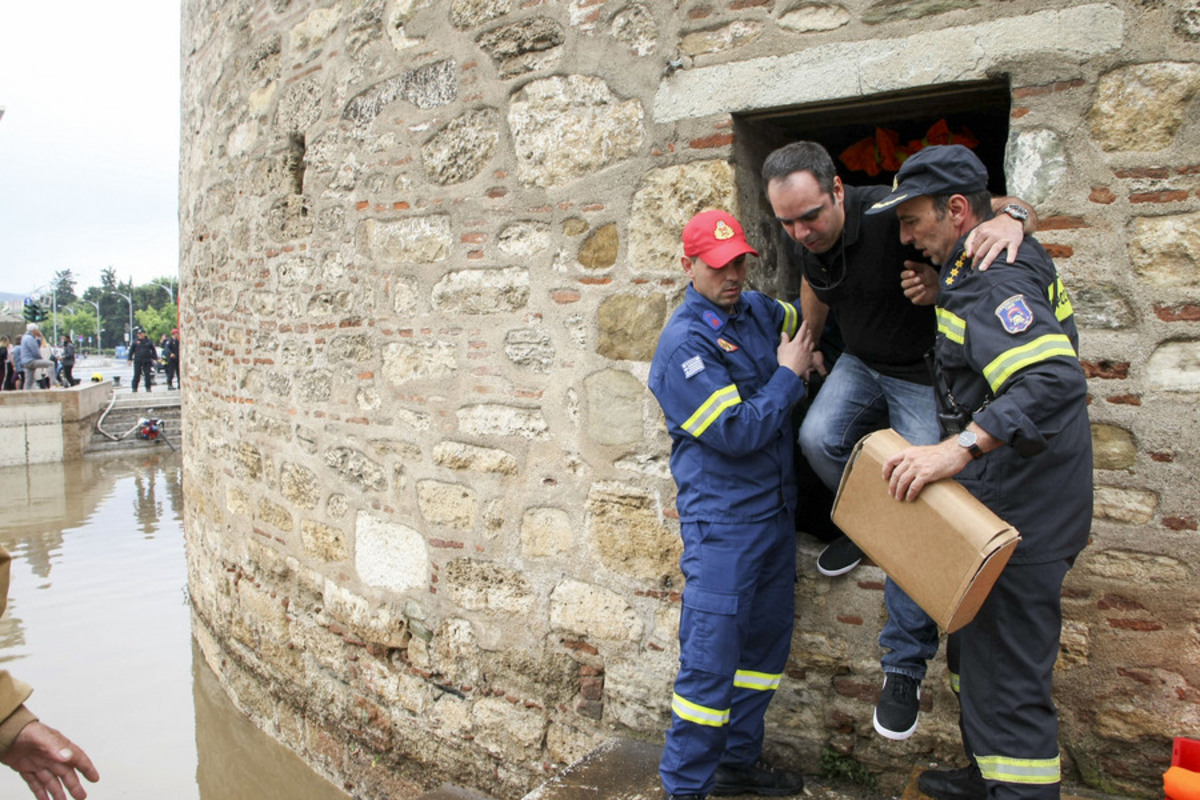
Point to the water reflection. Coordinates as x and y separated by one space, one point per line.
98 622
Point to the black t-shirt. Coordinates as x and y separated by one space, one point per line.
878 323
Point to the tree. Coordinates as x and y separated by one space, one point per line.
64 288
108 279
156 322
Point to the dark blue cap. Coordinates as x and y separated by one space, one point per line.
941 169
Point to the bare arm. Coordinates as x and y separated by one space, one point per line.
814 313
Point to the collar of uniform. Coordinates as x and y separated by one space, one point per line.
712 314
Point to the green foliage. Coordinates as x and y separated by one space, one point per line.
838 767
157 321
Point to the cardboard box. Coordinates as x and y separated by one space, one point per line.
945 549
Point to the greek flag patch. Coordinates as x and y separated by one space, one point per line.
692 366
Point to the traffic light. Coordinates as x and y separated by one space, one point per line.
33 311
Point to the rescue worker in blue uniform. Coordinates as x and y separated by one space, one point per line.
1014 409
726 372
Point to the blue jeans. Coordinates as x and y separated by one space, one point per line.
854 401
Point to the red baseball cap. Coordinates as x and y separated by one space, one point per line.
715 237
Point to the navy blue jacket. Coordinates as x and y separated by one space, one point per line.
1008 348
727 404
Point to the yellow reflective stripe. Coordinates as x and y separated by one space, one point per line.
1020 770
1011 361
700 715
954 682
953 327
791 319
707 413
763 681
1060 301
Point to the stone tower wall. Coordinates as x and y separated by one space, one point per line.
427 247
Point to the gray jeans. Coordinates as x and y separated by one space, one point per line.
32 367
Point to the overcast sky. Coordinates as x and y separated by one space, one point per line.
89 140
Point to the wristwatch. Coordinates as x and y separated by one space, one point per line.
969 440
1017 212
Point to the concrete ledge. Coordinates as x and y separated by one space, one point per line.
43 425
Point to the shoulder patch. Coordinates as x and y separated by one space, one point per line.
726 345
713 319
1014 314
692 366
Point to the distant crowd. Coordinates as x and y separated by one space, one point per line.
36 363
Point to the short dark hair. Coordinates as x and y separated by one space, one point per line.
800 157
980 204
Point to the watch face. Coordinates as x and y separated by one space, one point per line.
967 438
1016 212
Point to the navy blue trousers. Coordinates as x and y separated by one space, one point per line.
735 633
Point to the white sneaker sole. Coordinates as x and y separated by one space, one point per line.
895 736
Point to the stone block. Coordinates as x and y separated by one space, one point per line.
1165 251
1113 447
460 150
388 555
492 419
665 199
568 127
1131 506
419 360
299 486
482 291
530 347
1140 107
405 242
722 39
355 469
481 586
629 326
593 611
614 407
323 542
449 504
462 456
1175 366
530 45
545 532
626 533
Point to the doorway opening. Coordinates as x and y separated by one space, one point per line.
863 135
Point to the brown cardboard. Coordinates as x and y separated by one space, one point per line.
945 549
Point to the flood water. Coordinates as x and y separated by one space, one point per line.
98 623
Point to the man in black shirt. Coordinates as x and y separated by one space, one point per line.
855 269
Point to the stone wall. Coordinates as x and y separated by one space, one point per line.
427 247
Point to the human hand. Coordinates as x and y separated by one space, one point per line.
912 469
919 282
48 761
796 354
1000 234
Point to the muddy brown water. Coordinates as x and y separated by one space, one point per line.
98 622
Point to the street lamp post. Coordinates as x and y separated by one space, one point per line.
128 299
170 291
97 305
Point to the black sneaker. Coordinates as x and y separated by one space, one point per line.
953 784
898 706
759 779
839 557
685 797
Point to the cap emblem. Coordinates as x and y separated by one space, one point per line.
723 231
